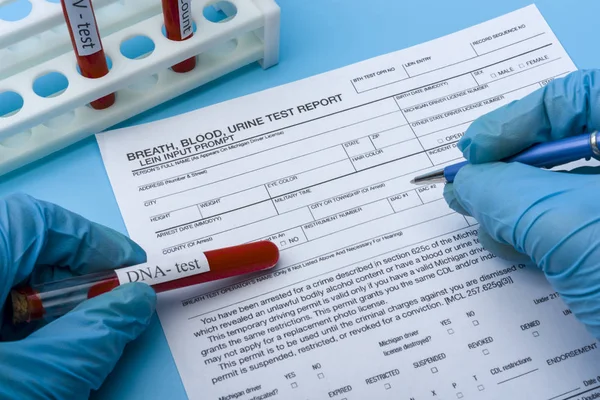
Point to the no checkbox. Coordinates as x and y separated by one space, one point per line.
535 333
321 376
294 385
475 322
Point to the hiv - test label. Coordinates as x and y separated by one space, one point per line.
163 269
83 25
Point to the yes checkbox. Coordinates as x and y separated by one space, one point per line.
450 331
294 385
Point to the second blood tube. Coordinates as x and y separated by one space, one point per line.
179 26
81 21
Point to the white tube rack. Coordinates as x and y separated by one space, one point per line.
44 125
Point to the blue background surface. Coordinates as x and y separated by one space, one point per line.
316 36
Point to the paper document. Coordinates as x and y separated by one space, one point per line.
382 292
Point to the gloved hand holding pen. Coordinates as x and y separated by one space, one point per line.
529 214
72 355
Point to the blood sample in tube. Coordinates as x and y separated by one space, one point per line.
179 26
85 38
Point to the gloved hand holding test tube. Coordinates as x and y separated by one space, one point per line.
53 299
100 284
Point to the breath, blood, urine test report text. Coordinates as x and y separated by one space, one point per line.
381 291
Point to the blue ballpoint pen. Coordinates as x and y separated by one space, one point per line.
544 155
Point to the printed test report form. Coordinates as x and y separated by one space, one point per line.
381 291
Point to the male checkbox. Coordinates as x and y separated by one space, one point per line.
493 75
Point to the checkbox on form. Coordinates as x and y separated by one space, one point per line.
475 323
387 386
535 333
434 370
294 385
450 331
321 376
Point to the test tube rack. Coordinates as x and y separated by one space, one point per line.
39 45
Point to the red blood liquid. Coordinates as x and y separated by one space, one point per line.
93 65
223 263
172 27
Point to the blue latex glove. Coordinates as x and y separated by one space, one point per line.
551 219
72 355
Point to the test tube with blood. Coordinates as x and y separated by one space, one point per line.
85 38
54 299
178 26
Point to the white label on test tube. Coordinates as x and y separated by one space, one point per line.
185 18
83 25
164 269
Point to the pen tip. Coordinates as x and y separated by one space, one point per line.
428 178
